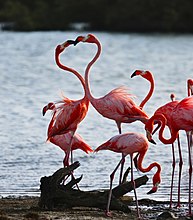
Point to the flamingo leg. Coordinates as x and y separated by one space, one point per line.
66 160
189 138
121 171
110 191
133 182
180 171
173 170
123 160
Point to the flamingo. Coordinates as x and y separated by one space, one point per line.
63 140
128 144
166 110
181 119
69 113
117 104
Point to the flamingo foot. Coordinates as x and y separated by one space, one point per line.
108 214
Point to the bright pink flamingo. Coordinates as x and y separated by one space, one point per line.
63 140
166 110
130 143
69 113
181 119
117 104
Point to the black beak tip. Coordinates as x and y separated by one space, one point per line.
43 111
76 42
152 141
72 42
133 74
151 191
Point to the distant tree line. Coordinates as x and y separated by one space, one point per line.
101 15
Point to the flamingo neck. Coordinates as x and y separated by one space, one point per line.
148 96
88 92
150 167
72 71
173 131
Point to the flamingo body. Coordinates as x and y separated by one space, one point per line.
118 106
67 117
182 115
127 143
63 141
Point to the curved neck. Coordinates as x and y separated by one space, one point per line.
150 167
88 92
70 70
173 131
148 96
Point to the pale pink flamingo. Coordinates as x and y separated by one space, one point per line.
130 143
181 118
69 113
117 104
63 140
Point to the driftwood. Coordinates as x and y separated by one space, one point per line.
54 194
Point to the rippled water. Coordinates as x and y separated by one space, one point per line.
30 79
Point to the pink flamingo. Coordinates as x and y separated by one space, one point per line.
130 143
117 104
166 110
63 140
181 118
69 112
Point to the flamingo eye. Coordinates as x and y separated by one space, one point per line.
143 73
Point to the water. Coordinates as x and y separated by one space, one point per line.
30 79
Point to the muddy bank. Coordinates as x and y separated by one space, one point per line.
27 208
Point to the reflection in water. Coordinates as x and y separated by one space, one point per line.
30 79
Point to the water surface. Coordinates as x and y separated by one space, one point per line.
30 79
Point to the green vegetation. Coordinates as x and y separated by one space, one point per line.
107 15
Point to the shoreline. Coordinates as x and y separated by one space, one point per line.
26 207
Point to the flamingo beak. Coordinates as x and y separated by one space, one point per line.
78 39
152 141
72 42
153 190
149 137
133 74
44 110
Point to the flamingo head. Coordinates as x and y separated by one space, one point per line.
60 48
190 87
156 182
49 106
90 38
172 97
144 73
149 130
